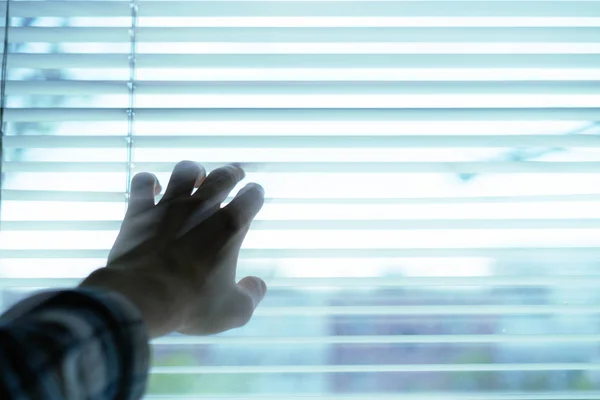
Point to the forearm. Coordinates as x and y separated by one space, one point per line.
73 345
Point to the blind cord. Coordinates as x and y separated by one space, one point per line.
131 87
3 99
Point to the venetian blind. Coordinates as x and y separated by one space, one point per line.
432 223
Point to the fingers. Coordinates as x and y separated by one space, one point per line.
218 184
186 176
224 231
209 196
144 186
238 214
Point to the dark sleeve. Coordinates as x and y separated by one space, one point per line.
76 344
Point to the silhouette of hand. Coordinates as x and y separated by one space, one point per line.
176 260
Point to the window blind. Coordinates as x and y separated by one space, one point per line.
432 222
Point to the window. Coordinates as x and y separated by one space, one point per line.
432 226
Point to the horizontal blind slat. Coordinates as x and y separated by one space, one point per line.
67 60
302 114
369 8
370 34
578 395
82 88
359 114
507 167
296 61
306 35
49 195
418 310
365 282
368 87
303 142
67 87
64 114
571 254
67 9
375 339
323 369
368 61
35 34
565 8
346 225
69 196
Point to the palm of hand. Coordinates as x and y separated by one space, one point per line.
188 246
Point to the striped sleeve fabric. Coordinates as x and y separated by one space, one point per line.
76 344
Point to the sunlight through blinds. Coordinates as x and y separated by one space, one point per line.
432 174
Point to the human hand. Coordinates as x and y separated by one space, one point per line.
176 260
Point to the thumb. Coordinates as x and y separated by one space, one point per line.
254 287
250 291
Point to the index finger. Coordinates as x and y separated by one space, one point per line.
218 184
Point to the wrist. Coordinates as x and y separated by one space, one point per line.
155 297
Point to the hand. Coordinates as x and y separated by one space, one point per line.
176 260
